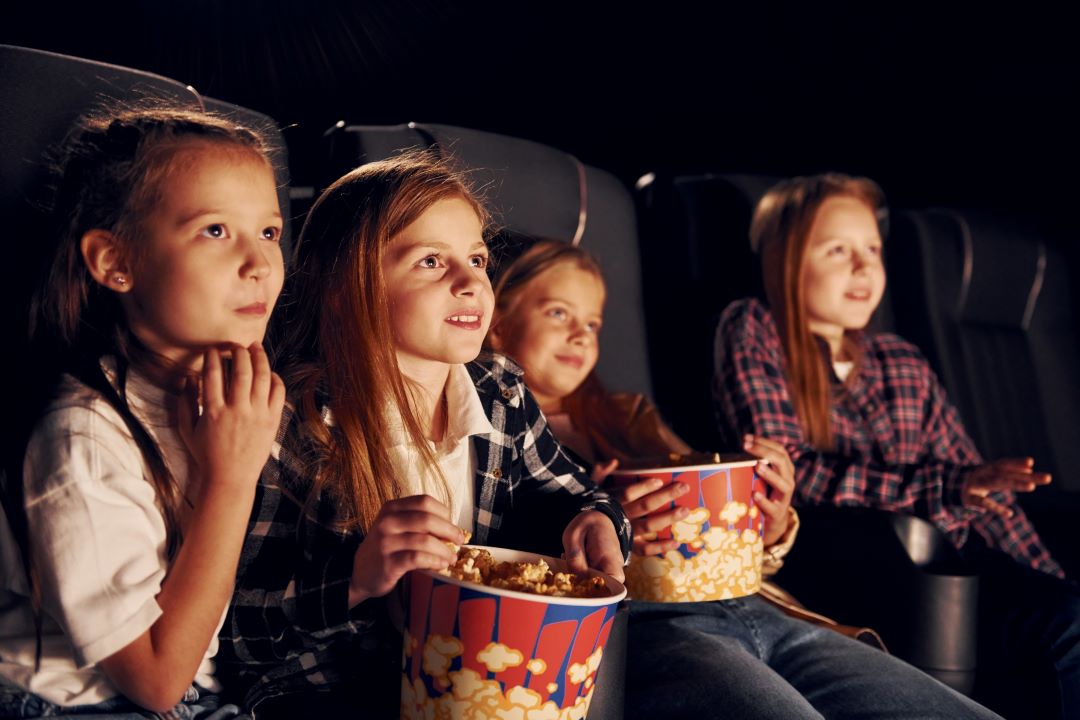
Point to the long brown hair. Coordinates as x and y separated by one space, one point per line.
113 170
333 331
780 232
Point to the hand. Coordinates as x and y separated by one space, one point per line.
1007 474
646 504
590 541
601 471
408 534
231 440
777 470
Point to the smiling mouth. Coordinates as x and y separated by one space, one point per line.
861 295
572 360
466 320
254 310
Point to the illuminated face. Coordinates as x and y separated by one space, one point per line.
553 331
440 297
208 266
843 276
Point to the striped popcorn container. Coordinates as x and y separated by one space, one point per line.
472 651
720 548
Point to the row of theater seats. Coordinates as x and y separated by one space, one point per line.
991 306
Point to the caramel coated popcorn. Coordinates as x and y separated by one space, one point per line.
478 566
727 563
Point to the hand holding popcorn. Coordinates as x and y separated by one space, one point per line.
590 540
408 534
778 471
648 505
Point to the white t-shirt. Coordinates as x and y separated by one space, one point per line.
456 456
99 542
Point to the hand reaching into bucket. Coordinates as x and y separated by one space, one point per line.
590 541
408 534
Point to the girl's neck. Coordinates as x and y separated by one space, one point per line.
549 405
427 393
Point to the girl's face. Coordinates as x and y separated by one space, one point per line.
843 276
439 293
553 331
208 267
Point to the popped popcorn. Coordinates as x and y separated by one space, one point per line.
478 566
727 564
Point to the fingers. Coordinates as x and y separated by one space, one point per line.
213 381
409 520
639 489
774 510
653 547
771 451
991 505
658 521
416 543
655 498
781 485
420 503
260 375
239 389
601 471
277 394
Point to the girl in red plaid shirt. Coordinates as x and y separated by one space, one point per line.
867 422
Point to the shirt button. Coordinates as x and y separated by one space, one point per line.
507 394
496 473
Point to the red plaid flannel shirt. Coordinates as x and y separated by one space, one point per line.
900 445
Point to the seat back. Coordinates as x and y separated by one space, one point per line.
536 191
990 302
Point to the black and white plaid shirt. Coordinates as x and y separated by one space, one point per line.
290 628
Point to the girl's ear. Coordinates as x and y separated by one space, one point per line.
105 261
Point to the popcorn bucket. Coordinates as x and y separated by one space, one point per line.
472 651
719 556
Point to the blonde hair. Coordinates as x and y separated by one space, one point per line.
780 232
336 331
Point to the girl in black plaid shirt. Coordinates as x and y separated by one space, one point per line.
397 437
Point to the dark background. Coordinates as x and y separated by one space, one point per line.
963 105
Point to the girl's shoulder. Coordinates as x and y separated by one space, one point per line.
497 376
747 316
891 347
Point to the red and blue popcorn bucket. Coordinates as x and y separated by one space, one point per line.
472 651
720 550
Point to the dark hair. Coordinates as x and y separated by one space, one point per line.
333 326
113 169
780 232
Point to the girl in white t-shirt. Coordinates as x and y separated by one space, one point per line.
140 474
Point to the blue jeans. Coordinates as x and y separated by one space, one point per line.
198 704
744 658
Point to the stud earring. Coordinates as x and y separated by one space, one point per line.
119 279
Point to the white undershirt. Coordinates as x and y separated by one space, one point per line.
455 455
843 368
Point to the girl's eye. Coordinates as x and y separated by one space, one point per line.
479 261
557 314
271 233
216 231
593 327
429 263
837 250
874 250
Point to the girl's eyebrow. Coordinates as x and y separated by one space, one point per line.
439 245
190 217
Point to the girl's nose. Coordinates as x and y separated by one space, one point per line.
255 264
466 282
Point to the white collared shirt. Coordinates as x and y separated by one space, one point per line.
465 417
